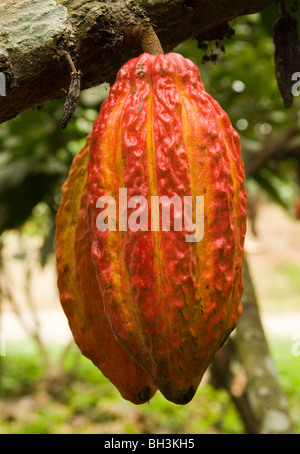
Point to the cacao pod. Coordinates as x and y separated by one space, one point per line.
171 303
150 293
80 294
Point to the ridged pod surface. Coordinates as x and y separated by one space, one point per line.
171 303
80 294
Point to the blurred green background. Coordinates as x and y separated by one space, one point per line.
49 388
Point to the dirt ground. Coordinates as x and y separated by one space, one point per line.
274 259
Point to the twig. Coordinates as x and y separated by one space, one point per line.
71 63
73 93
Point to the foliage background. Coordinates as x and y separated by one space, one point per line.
47 389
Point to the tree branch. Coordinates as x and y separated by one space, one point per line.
278 148
97 36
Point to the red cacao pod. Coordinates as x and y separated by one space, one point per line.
170 303
80 294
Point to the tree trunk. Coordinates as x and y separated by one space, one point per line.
245 368
98 35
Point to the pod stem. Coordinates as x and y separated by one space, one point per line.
150 42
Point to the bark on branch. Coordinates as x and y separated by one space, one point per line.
97 36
